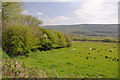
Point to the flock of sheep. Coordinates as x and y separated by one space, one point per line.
111 50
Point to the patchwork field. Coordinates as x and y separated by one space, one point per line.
83 59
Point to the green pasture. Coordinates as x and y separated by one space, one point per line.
81 63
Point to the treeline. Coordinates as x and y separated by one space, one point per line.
22 33
101 40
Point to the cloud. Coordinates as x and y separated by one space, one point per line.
25 12
56 20
39 13
98 12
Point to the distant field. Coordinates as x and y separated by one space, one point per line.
80 63
89 30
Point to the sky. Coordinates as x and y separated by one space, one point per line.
68 13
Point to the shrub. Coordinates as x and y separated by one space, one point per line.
18 40
45 42
68 40
62 42
84 39
107 40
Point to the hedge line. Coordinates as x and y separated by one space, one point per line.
19 40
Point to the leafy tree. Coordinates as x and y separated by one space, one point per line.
10 10
30 20
68 40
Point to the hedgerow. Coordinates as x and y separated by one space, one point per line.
19 40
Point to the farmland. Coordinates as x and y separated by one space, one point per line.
81 63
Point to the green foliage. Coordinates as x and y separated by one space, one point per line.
10 10
45 42
68 40
62 41
107 40
30 20
18 40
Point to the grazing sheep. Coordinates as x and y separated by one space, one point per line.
117 59
113 59
87 57
111 50
106 56
94 57
94 49
90 48
73 49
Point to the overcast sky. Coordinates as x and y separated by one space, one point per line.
84 12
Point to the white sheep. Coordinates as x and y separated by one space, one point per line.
73 49
90 48
111 50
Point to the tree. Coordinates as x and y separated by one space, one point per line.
10 10
31 21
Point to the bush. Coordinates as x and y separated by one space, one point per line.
68 40
62 41
45 43
84 39
18 40
107 40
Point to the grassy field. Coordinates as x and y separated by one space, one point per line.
83 62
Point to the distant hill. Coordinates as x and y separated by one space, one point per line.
104 30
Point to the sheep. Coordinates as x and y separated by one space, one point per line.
111 50
117 59
94 57
88 53
73 49
90 48
106 56
94 49
87 57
